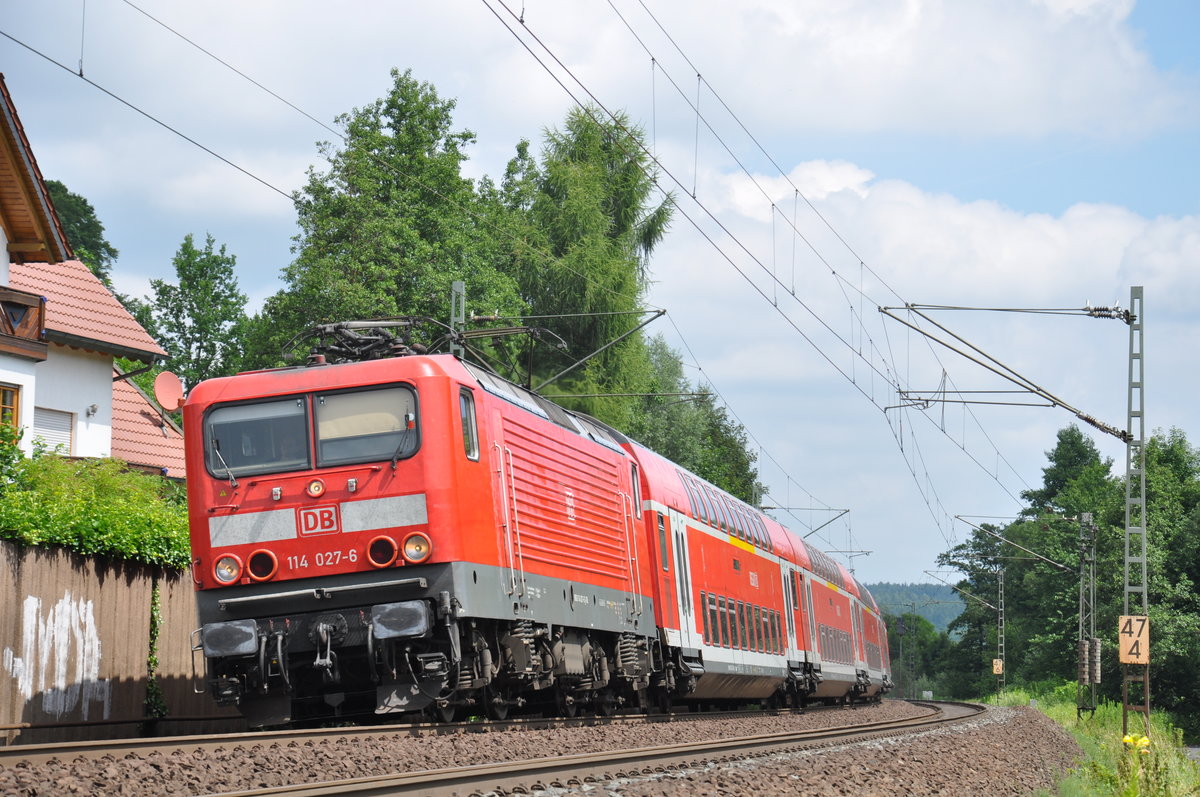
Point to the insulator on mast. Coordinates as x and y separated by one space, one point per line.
1082 661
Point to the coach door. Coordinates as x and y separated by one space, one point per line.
814 652
683 582
790 604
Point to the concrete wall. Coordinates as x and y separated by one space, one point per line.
74 638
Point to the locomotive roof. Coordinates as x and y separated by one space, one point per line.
300 378
786 542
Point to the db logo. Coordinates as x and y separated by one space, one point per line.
318 520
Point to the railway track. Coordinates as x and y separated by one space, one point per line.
573 771
262 763
37 754
457 758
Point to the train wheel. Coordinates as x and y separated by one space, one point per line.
566 704
606 703
443 713
494 705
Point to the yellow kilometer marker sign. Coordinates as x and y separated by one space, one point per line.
1133 639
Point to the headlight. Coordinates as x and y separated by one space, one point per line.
417 548
315 488
227 568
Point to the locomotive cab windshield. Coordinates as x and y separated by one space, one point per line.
276 436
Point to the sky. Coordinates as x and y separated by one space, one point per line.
826 160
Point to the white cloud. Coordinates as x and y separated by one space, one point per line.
981 69
938 249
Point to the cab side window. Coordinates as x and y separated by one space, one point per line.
466 407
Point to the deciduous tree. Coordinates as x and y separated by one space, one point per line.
387 226
84 231
200 316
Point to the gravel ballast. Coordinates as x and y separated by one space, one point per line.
1006 751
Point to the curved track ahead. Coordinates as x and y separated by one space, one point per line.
563 771
576 770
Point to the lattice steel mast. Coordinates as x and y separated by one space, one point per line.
1137 599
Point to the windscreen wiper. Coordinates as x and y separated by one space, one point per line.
409 423
228 470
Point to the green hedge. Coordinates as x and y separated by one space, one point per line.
95 507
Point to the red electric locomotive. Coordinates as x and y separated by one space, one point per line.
416 534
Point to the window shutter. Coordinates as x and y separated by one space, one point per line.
54 427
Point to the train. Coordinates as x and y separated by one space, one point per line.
416 535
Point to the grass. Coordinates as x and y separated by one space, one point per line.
1115 765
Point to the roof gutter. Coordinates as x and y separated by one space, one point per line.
104 347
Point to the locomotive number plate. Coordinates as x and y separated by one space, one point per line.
322 559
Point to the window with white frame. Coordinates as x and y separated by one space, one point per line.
10 405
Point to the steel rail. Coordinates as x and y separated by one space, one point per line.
68 751
571 771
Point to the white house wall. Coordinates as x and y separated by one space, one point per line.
20 372
72 381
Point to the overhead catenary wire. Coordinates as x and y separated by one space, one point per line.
148 115
928 491
242 75
860 261
851 376
841 281
230 67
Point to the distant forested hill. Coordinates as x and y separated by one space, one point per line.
937 603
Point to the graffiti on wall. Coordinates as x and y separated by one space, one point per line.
59 659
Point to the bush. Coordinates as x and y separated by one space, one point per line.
10 454
1115 764
93 507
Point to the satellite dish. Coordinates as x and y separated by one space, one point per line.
168 391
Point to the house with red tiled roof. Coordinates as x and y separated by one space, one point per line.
61 329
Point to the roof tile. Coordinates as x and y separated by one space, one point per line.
140 436
80 307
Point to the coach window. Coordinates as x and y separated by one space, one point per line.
706 511
714 625
741 621
248 439
757 530
366 426
691 495
723 618
739 522
466 409
704 615
722 515
663 551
